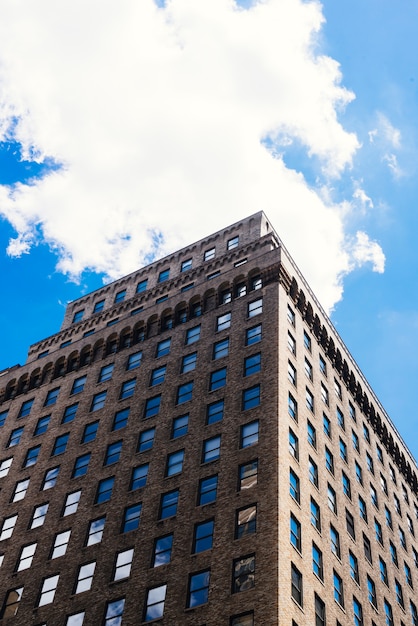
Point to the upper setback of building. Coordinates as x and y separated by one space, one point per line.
155 297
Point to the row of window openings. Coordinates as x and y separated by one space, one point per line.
320 619
292 376
163 276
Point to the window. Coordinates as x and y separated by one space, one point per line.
343 451
329 460
180 426
315 515
313 472
327 425
31 456
246 521
211 449
26 557
291 373
294 485
162 550
248 475
78 316
414 613
393 553
20 490
320 612
354 571
291 315
60 544
408 574
253 335
249 434
131 517
69 413
25 408
383 571
208 488
85 577
7 527
308 369
415 554
335 541
142 286
15 437
146 440
60 444
90 432
232 243
322 365
104 490
396 501
243 573
49 587
362 508
324 394
359 473
252 364
402 538
81 465
174 463
379 453
98 401
121 419
71 503
157 376
154 607
410 525
338 589
42 425
378 531
169 503
134 360
163 275
366 433
11 603
139 477
310 401
371 590
114 612
384 487
123 564
349 522
245 619
99 306
295 533
76 619
120 296
50 478
193 335
78 385
5 466
358 612
113 453
38 515
106 373
217 379
317 562
95 532
223 321
186 265
374 499
291 343
346 485
184 393
251 397
293 444
188 363
388 613
220 349
152 406
332 499
356 442
340 418
203 536
307 341
311 434
255 308
399 593
296 585
367 548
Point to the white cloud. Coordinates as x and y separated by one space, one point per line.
387 139
363 251
158 117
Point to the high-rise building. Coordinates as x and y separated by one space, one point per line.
197 447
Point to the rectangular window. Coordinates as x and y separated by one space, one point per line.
383 572
193 335
142 286
114 613
313 472
95 532
232 243
223 321
49 587
99 306
255 308
310 401
311 434
131 517
315 515
139 477
378 531
7 527
31 456
162 550
163 275
120 296
60 444
134 360
188 363
335 541
50 478
106 373
20 490
246 521
291 373
356 441
346 485
388 613
414 613
69 413
11 602
113 453
359 473
291 343
154 608
248 475
308 369
121 419
367 548
184 393
296 585
26 557
399 593
349 523
123 564
180 426
322 365
249 434
60 545
340 418
253 335
324 394
5 466
293 444
78 385
42 425
294 485
186 265
203 536
25 408
146 440
217 379
408 574
152 406
362 509
329 460
85 577
251 397
291 316
215 412
332 499
371 590
38 515
243 573
343 451
71 503
295 533
307 341
169 503
175 463
208 488
220 349
320 612
15 437
211 449
90 432
98 401
81 465
104 490
358 612
373 497
158 376
337 389
354 570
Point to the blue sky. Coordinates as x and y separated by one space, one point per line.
169 121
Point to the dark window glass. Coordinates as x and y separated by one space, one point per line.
162 550
252 364
70 413
42 425
131 518
169 503
146 440
253 335
60 444
104 490
208 488
203 536
121 419
180 426
113 453
251 397
139 476
243 573
90 432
